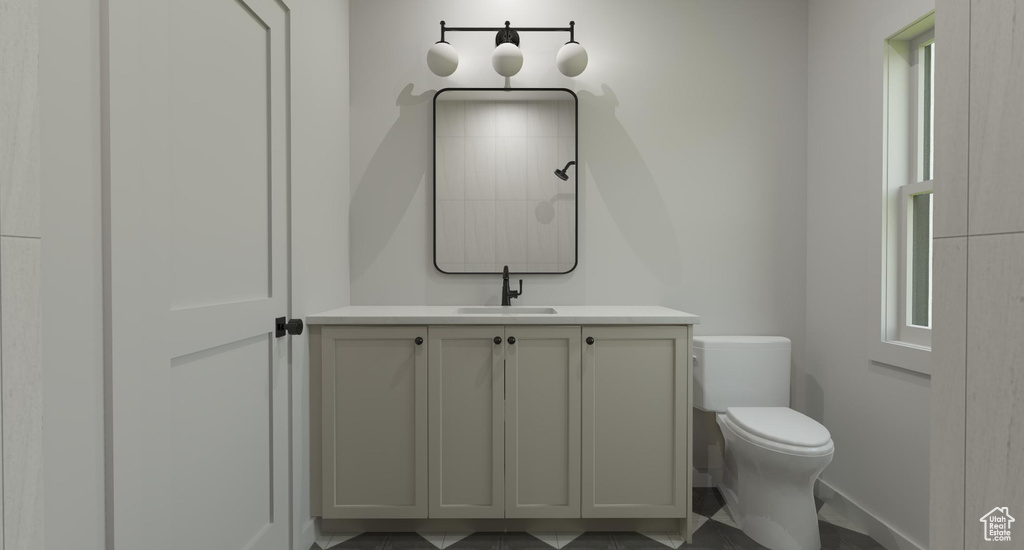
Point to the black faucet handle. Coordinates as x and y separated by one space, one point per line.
516 293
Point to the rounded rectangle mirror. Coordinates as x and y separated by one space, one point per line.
505 180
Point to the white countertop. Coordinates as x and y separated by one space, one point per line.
449 315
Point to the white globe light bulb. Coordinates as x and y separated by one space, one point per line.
571 59
442 59
507 59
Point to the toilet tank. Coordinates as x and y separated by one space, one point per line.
740 371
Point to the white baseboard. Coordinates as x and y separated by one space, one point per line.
305 535
864 520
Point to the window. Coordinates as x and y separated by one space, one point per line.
915 319
910 162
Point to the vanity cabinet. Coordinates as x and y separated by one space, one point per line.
521 425
374 422
504 422
635 422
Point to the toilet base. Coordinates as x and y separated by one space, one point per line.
771 494
786 522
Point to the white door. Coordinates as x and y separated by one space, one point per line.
198 169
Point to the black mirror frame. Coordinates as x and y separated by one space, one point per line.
576 178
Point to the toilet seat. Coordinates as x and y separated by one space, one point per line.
780 429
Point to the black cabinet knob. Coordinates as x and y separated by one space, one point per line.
497 339
511 340
590 340
419 340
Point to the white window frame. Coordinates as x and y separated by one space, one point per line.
894 341
905 331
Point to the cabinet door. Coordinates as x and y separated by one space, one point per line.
635 422
374 388
542 422
467 422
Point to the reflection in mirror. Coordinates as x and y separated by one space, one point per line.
505 180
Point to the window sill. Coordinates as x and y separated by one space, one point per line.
902 356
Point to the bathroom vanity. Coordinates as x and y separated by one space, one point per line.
434 418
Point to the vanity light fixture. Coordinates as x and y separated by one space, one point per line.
571 59
507 58
442 59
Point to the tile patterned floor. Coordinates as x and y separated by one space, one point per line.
714 530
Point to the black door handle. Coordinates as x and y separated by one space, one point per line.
419 340
293 327
511 340
590 340
497 339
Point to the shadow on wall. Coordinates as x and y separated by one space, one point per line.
401 163
814 398
708 443
627 186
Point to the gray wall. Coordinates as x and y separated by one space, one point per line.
692 145
320 190
878 414
695 191
692 151
708 185
21 405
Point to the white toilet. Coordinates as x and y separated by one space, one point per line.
773 454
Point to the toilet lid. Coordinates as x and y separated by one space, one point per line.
780 424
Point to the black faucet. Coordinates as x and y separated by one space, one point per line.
506 293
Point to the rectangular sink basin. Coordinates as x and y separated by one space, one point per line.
506 310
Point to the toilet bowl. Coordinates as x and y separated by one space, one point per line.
773 454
